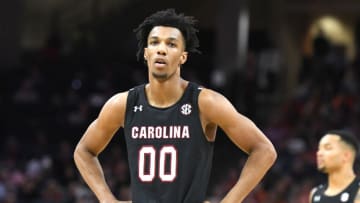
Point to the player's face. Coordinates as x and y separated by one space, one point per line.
330 154
165 52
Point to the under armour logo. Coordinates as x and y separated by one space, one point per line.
186 109
138 108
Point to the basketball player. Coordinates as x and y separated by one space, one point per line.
170 125
335 157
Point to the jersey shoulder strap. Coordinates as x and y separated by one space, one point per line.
131 102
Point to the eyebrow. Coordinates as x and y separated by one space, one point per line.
325 145
170 38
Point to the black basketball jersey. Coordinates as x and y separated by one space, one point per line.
169 156
347 195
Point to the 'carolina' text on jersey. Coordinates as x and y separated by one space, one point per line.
160 132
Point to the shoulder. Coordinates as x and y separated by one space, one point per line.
211 101
357 197
215 107
113 111
117 100
315 190
312 192
209 97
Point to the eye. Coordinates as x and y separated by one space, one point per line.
153 42
171 44
328 147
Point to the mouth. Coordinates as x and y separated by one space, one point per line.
160 62
319 162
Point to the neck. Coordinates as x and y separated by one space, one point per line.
165 93
341 178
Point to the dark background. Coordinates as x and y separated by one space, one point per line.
291 66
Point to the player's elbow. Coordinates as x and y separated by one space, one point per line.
77 153
265 152
80 152
270 152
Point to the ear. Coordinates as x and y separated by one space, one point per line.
183 57
145 53
348 155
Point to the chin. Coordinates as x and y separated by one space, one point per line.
161 76
322 169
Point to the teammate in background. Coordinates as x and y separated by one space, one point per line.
170 125
336 157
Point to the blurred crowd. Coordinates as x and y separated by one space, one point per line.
51 96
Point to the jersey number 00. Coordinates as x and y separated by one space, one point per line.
148 163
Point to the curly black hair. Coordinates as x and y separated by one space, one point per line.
168 17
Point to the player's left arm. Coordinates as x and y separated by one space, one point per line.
216 109
357 197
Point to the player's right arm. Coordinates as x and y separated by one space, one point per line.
93 142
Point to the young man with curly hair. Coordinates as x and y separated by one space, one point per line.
170 125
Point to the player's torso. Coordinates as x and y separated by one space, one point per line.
169 156
347 195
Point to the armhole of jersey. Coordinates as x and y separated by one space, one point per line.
196 94
196 91
357 186
313 192
319 188
129 104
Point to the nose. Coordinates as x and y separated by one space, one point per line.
318 153
162 50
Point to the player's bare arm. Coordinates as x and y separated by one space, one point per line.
93 142
216 109
357 197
